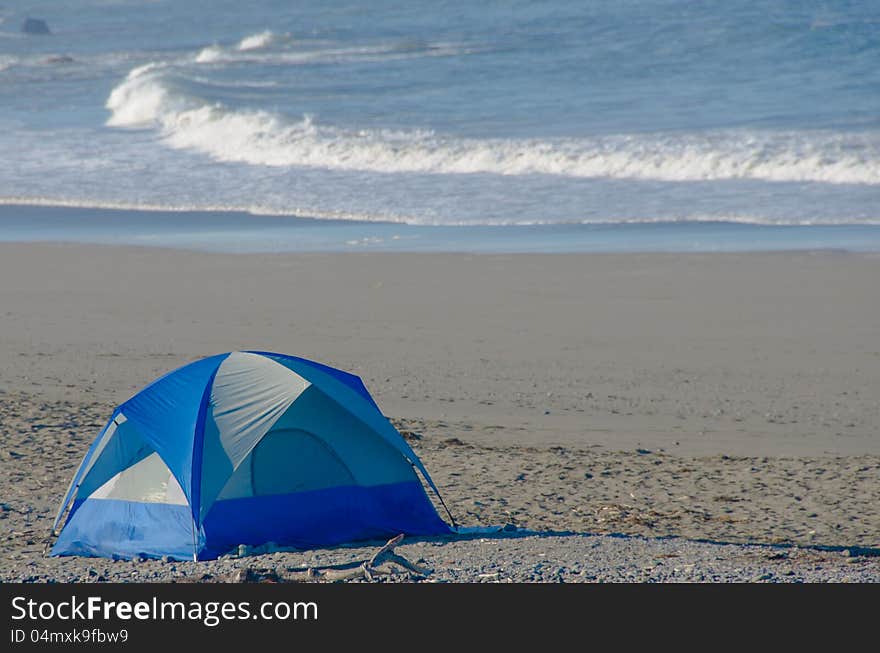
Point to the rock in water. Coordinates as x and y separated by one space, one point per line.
35 26
58 58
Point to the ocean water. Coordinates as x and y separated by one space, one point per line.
490 126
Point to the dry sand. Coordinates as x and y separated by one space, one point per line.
724 397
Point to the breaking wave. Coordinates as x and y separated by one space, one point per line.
159 95
260 40
254 42
217 54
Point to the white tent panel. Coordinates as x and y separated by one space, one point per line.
250 392
147 481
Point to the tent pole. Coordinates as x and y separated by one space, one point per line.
443 503
436 494
195 544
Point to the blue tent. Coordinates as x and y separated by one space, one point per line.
244 448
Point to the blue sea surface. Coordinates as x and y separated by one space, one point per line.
455 126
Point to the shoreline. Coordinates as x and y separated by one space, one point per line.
243 231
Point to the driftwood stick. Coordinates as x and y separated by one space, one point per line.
385 569
339 575
406 564
381 564
385 550
303 576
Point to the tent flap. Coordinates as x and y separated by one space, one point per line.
166 414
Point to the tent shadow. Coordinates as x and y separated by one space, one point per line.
854 550
384 559
501 534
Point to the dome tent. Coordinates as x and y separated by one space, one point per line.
244 448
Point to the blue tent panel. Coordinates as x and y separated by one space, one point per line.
324 517
83 466
167 412
115 528
125 529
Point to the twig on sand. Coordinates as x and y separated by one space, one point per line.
385 550
383 563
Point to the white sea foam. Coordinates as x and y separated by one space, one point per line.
274 49
228 83
253 209
146 96
259 41
352 216
248 49
216 53
155 95
210 54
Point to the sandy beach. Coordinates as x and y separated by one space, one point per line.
727 398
